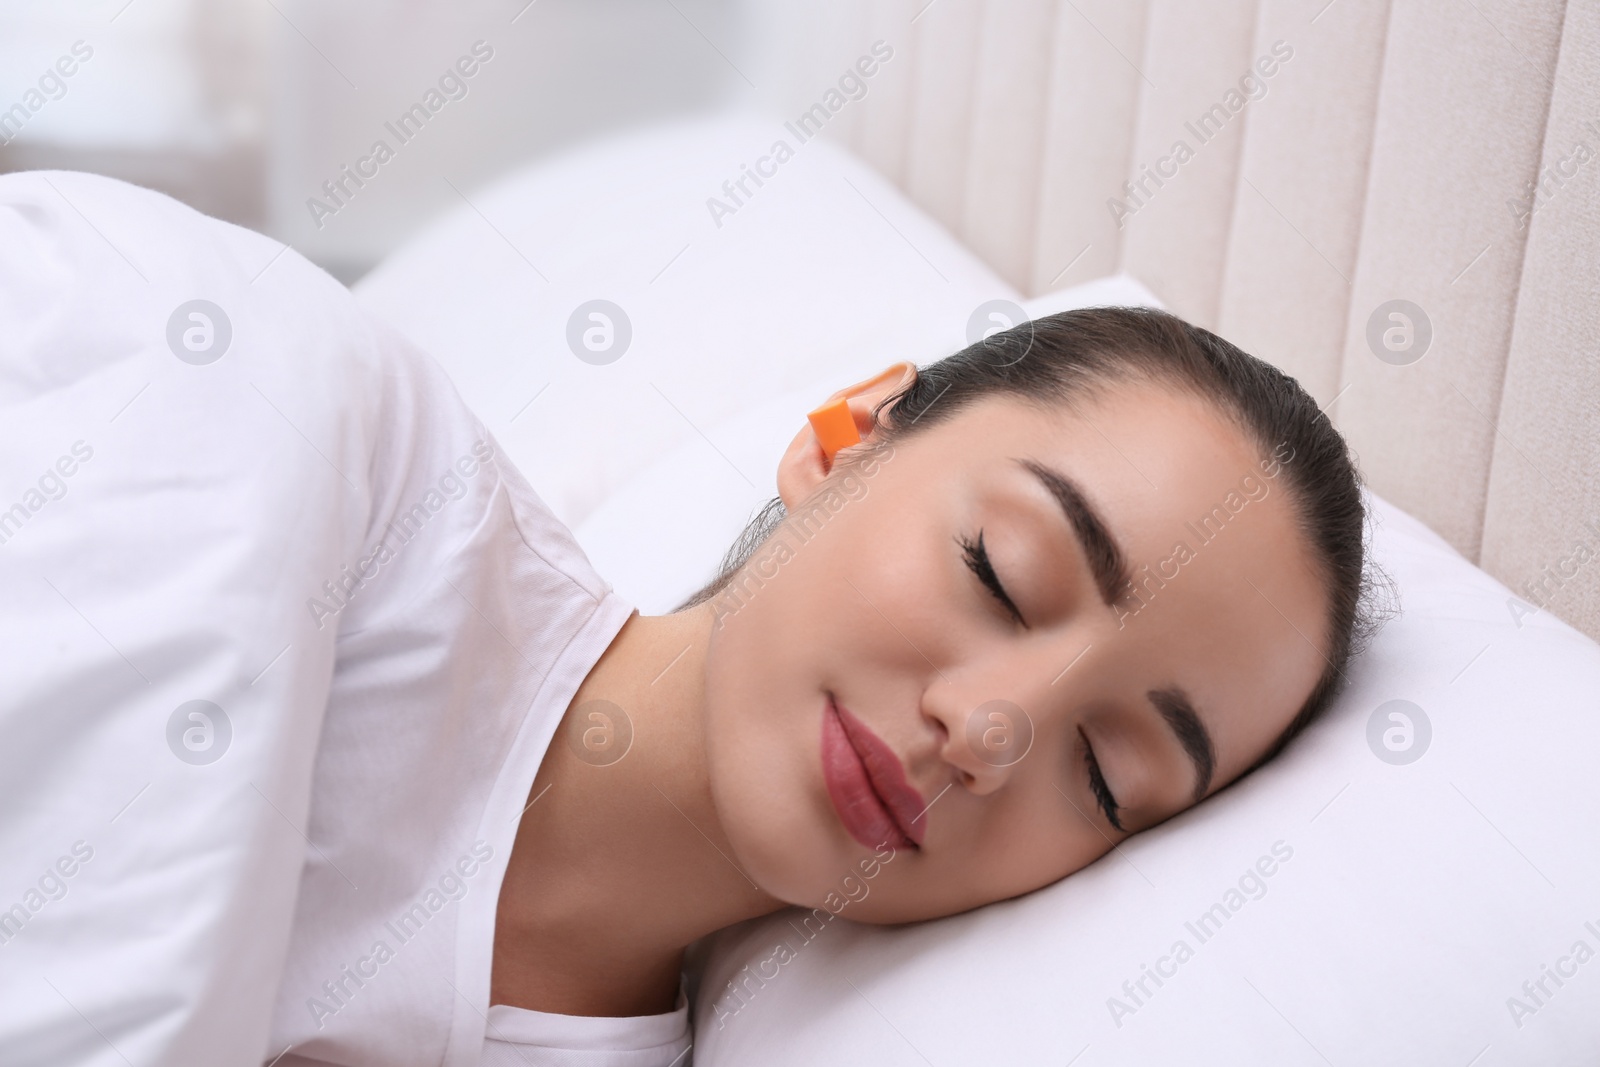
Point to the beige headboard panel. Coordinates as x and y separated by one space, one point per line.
1381 150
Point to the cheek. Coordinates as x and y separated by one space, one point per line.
1003 845
764 700
853 604
801 619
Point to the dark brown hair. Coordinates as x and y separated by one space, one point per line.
1058 360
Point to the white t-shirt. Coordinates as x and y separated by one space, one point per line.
449 682
448 685
517 1038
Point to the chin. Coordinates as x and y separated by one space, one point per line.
779 830
794 875
775 811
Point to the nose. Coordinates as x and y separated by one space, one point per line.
982 738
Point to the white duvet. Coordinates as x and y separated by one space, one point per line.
284 644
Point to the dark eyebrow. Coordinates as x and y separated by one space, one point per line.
1174 706
1105 557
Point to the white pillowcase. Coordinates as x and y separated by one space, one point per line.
825 266
1407 905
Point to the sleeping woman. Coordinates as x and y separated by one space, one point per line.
1091 571
1073 579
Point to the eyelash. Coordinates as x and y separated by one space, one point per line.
977 558
1097 785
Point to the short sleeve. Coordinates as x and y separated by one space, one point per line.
517 1037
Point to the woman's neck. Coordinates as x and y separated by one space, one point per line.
621 862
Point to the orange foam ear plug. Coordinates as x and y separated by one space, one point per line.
835 427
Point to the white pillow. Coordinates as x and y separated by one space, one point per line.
824 266
1405 908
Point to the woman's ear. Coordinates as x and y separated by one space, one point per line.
805 464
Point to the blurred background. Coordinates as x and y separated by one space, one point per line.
244 108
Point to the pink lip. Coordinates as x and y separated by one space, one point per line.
867 783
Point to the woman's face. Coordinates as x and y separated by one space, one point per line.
1031 735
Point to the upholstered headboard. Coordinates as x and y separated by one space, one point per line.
1280 171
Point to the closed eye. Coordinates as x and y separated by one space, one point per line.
1097 785
977 558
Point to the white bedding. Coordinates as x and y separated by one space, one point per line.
152 580
286 641
828 268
